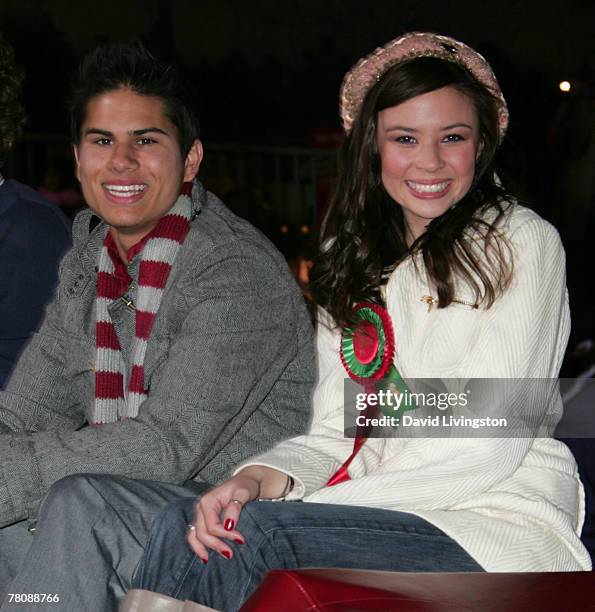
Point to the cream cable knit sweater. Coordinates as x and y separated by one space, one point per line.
513 504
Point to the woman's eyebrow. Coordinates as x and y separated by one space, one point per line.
457 125
401 128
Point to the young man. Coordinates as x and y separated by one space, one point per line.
177 346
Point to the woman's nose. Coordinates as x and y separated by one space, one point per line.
430 157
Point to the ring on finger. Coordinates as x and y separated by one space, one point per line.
191 527
236 501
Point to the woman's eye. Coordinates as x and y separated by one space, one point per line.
453 138
405 140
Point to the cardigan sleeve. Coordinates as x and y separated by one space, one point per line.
523 335
313 458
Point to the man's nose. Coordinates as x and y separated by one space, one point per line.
123 158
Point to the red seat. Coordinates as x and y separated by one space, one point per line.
331 590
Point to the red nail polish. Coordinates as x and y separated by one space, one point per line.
238 541
229 524
204 560
226 554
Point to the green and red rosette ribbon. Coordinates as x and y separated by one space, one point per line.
367 351
368 347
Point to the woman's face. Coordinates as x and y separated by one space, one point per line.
428 147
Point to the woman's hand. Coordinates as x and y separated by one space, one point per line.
218 510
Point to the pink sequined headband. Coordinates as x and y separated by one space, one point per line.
368 71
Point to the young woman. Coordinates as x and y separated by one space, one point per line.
421 233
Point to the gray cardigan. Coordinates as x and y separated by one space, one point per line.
229 368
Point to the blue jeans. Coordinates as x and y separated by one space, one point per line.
90 535
289 535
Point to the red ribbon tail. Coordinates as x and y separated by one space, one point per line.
341 475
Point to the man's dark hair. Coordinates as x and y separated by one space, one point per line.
130 65
12 114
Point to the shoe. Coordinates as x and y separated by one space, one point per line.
141 600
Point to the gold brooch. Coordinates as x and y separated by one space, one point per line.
430 301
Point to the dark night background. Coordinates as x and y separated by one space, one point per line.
267 73
280 64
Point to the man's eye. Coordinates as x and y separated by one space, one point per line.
102 141
145 141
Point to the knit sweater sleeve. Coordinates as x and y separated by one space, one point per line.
522 336
313 458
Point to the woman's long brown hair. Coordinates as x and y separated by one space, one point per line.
362 238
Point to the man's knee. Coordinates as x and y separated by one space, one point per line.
69 493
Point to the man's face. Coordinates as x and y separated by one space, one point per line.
129 163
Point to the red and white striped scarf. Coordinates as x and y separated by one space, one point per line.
157 258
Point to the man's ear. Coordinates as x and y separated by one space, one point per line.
192 161
77 166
